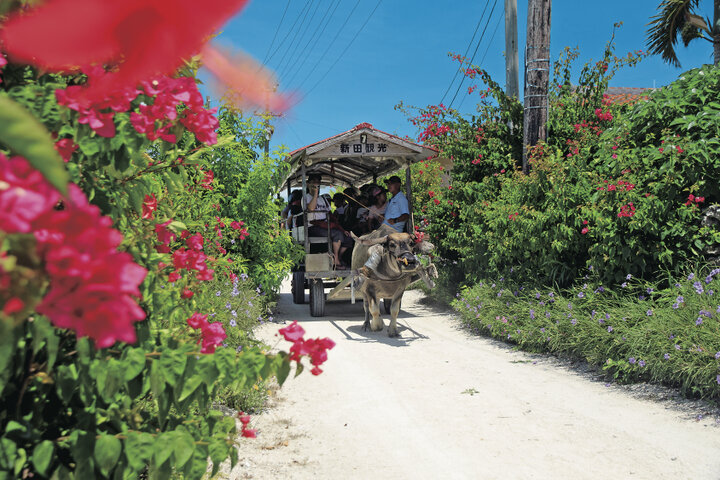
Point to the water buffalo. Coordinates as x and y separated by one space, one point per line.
386 263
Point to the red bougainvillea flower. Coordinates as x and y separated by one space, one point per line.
144 38
92 284
197 320
13 305
292 332
213 335
24 195
149 206
66 147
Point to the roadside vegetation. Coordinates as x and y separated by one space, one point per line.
605 250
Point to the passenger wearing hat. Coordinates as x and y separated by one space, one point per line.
319 208
397 212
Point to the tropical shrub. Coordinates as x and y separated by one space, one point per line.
113 349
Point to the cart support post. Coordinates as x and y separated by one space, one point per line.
408 195
304 205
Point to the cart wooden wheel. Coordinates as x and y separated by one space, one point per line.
317 298
298 287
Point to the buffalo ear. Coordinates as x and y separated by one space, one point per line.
424 247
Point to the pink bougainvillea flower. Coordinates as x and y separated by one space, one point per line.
213 335
149 206
197 320
292 332
242 81
13 305
24 195
195 242
143 38
66 147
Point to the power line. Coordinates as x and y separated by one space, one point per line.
477 27
497 25
316 36
330 44
277 30
344 51
292 58
293 45
290 30
462 80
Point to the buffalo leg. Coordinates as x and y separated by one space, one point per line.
394 311
376 324
366 307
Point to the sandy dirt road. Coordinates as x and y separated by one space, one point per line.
437 403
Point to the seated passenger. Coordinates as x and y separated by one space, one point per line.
291 213
376 213
318 217
397 212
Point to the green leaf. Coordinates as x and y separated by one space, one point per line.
134 363
107 452
163 447
42 456
183 448
173 363
139 449
24 135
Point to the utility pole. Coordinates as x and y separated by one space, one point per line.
537 75
511 49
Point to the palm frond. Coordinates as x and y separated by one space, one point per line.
670 23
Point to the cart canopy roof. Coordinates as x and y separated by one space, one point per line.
355 157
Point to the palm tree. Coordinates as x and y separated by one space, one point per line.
678 18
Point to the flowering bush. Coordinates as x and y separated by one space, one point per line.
639 331
611 186
114 234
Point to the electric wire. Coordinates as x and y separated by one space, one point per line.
467 50
277 30
330 44
316 36
362 27
462 80
292 57
497 25
290 30
293 45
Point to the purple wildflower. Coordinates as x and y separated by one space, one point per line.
667 356
581 295
623 285
680 299
532 314
649 313
699 321
676 306
233 323
573 321
632 360
610 328
717 355
677 347
698 288
641 363
691 276
649 290
629 276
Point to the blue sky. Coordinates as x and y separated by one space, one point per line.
401 54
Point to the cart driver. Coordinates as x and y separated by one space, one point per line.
397 211
318 217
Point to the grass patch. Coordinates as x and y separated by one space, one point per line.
635 332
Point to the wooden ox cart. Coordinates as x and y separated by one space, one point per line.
352 158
